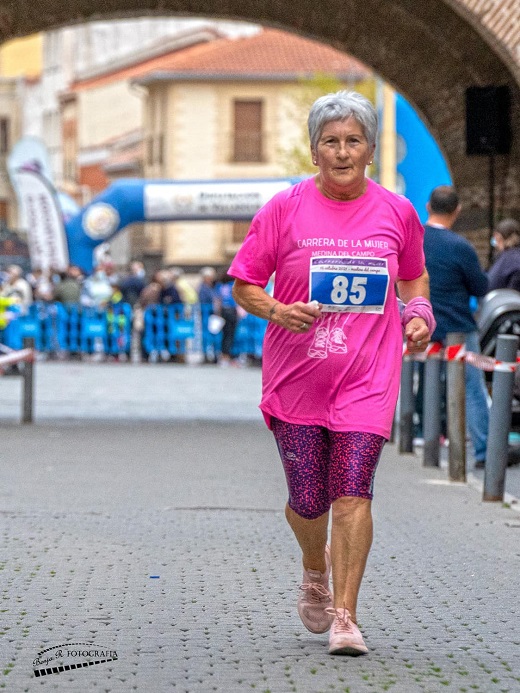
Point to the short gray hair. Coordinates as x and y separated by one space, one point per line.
341 106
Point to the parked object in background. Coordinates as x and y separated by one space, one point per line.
499 313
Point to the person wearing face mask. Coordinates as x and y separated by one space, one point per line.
17 287
97 289
505 271
339 244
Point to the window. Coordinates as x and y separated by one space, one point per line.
149 150
247 144
4 135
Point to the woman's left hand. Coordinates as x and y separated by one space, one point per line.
417 335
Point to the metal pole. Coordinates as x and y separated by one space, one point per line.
135 347
491 210
456 412
500 420
407 407
432 412
136 354
28 384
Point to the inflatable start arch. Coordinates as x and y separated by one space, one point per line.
132 200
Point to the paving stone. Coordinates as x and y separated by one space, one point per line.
91 510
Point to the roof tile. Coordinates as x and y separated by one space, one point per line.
268 53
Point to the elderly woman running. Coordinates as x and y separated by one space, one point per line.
339 244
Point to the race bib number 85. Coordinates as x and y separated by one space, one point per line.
349 284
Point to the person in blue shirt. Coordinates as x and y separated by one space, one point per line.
132 285
455 276
206 296
226 306
206 290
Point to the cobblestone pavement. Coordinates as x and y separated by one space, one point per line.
164 541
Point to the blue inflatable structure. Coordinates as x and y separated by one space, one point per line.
134 200
421 165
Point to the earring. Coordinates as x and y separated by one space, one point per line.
370 163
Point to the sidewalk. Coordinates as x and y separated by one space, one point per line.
72 391
153 526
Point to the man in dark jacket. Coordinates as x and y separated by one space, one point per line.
456 275
132 285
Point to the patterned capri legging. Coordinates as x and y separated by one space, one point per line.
322 465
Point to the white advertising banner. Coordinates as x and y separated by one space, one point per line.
208 200
45 231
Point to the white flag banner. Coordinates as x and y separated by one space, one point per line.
45 231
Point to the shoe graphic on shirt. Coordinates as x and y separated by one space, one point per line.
337 343
318 348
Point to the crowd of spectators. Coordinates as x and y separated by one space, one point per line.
109 285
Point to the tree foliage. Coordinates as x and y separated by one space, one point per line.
296 159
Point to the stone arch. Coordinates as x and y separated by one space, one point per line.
430 51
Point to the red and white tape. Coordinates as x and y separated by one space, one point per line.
457 352
16 357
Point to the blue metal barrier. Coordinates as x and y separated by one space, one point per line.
72 328
175 329
37 321
166 328
69 327
249 336
210 343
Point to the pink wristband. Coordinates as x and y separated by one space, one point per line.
419 307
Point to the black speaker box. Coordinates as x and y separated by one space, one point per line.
488 120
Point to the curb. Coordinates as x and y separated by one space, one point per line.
478 484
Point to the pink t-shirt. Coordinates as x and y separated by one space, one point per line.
344 372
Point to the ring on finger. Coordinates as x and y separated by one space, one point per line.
419 342
303 326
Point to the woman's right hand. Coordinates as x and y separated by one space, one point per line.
297 317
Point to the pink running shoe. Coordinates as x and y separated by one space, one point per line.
345 637
316 598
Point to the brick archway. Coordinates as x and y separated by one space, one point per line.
429 51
